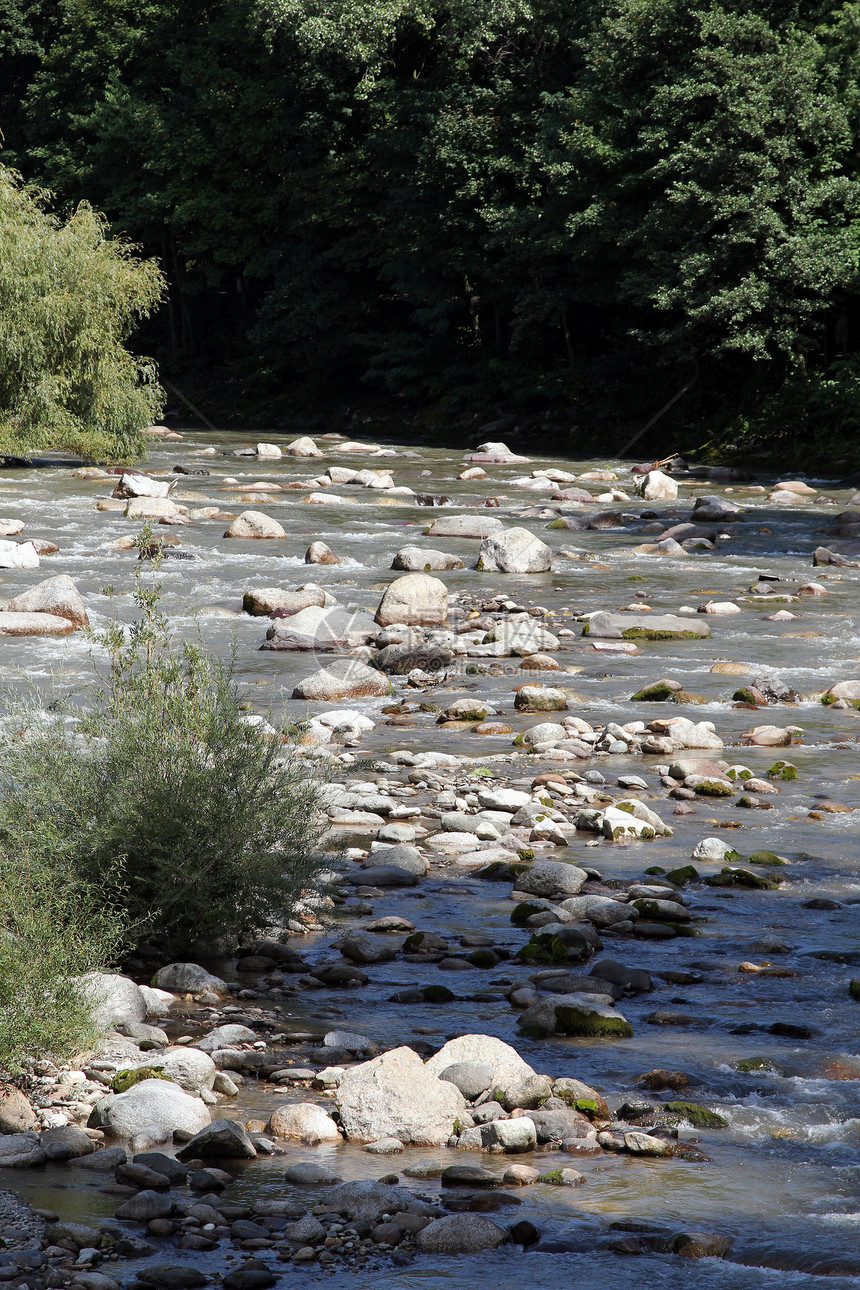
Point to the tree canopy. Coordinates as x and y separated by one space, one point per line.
585 205
70 296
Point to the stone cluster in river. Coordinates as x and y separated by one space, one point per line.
509 824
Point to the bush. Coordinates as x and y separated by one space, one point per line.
164 796
50 933
70 296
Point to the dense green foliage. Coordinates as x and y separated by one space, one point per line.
180 809
51 931
585 204
70 296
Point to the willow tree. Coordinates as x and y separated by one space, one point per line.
70 298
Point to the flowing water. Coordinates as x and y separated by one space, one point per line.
784 1176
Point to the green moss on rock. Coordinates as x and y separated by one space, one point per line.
591 1025
782 770
766 858
659 692
749 1065
124 1080
521 913
701 1117
542 948
680 877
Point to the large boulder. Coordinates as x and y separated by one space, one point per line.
651 627
317 628
188 1067
514 551
58 596
848 690
262 601
303 1120
400 660
402 856
415 599
188 978
540 698
229 1036
18 555
114 1000
367 1200
134 485
523 638
344 678
320 553
550 878
21 1151
574 1014
395 1095
12 624
153 1110
220 1140
254 524
463 526
507 1066
460 1234
304 446
419 559
162 509
657 487
16 1113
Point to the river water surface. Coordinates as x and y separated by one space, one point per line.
784 1177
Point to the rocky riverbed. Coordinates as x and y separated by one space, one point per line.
582 1000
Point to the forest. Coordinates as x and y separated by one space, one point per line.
596 208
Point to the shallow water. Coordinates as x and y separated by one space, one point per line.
783 1177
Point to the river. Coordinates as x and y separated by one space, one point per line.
783 1176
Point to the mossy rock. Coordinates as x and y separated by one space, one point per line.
558 524
751 1065
741 878
714 788
124 1080
752 804
659 692
521 913
701 1117
591 1025
438 994
484 958
782 770
746 695
766 858
500 871
553 1178
688 696
586 1106
680 877
525 854
656 869
854 988
542 948
655 634
734 774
